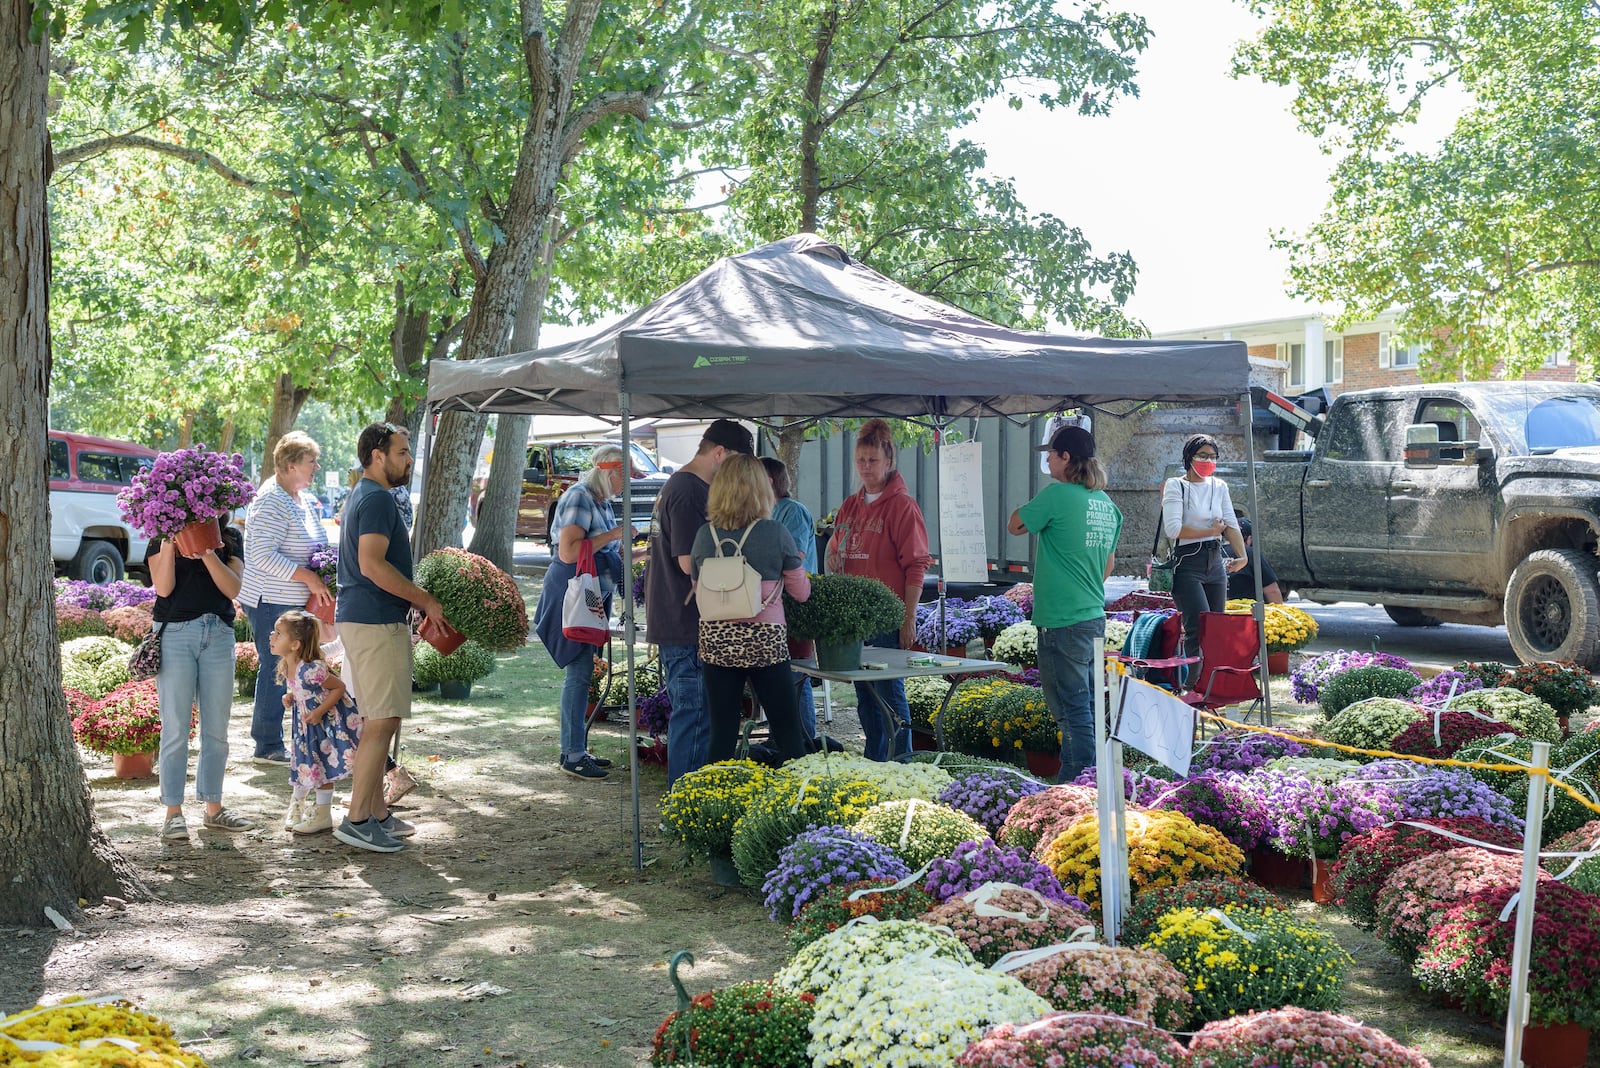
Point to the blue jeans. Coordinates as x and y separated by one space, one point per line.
196 670
808 708
689 728
1066 674
266 721
575 708
890 694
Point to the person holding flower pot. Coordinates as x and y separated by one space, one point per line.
582 513
1197 514
756 649
879 532
1077 527
284 526
194 616
375 598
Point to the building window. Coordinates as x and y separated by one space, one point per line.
1293 353
1333 360
1393 354
1558 359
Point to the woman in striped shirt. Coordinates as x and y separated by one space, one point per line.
282 527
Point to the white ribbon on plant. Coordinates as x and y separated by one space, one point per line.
980 897
916 876
1439 711
1081 939
905 828
1222 918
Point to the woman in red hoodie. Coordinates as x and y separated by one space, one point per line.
878 532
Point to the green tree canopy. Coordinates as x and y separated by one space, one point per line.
1484 245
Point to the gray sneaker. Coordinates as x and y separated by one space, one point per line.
174 827
368 834
583 768
395 827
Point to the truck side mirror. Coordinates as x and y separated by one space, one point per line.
1424 451
536 475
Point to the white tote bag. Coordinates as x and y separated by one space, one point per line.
583 610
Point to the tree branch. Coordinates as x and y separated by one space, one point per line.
101 145
635 102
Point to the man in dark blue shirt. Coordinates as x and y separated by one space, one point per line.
375 598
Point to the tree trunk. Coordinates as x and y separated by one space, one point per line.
52 851
225 442
494 536
790 439
186 430
408 348
287 400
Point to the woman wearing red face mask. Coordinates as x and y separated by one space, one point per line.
1197 513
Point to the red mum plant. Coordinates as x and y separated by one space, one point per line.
833 908
1561 684
78 702
747 1023
1467 955
479 599
1298 1038
126 720
1456 729
1367 860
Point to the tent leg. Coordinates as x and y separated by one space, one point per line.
625 595
427 466
1247 415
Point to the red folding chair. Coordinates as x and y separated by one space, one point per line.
1230 651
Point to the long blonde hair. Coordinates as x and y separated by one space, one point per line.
740 493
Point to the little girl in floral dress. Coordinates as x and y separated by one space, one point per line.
327 723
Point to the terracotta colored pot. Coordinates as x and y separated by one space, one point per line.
133 765
1322 882
196 538
593 713
444 637
1045 765
1555 1045
1272 869
1278 663
323 612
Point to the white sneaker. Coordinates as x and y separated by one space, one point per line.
318 820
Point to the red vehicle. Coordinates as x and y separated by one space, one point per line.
554 466
89 539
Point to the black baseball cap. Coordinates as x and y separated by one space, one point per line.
1072 440
730 435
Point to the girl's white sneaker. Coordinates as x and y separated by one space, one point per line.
319 818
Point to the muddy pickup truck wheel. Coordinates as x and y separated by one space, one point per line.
1553 607
97 562
1406 616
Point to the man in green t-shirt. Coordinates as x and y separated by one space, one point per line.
1077 527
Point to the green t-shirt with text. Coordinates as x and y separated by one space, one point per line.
1077 529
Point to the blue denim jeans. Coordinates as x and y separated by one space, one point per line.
689 728
575 708
890 694
196 670
807 706
1067 675
266 721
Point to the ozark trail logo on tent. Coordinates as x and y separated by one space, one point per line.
716 361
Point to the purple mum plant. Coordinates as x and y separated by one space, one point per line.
1443 686
654 712
995 614
1223 801
1437 793
1313 818
821 857
1308 679
960 624
975 863
183 487
987 796
1237 750
119 594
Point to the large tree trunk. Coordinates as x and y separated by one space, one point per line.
408 349
52 852
494 536
287 400
790 439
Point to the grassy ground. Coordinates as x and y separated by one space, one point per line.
514 931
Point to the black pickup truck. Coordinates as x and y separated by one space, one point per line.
1473 502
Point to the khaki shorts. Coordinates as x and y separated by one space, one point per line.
377 668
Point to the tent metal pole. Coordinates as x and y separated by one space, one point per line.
1247 417
625 595
427 466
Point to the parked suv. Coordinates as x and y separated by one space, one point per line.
554 466
88 537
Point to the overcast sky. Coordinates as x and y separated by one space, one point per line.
1191 178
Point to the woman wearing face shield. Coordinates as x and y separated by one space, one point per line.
1197 514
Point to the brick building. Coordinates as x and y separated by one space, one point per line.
1304 353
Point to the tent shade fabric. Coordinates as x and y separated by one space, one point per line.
796 329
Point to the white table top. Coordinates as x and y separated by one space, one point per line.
899 668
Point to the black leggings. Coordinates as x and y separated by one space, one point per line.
1199 584
774 687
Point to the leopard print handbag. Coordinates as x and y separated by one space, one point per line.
737 643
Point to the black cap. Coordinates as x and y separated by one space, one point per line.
730 435
1244 526
1072 440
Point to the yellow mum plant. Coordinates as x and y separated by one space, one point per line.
1165 848
139 1039
702 806
1288 628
